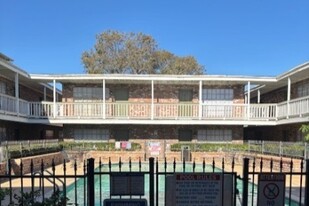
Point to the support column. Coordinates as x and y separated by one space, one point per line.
248 100
104 95
288 98
17 93
200 108
258 96
54 98
152 99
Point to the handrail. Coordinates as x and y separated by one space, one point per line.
48 179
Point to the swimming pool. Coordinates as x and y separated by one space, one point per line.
102 191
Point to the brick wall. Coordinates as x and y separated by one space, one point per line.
23 131
288 132
25 93
148 132
162 93
37 161
280 95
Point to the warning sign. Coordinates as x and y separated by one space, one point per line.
271 189
199 189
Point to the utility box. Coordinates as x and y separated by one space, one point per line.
185 153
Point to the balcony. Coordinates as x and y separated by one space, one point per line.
157 111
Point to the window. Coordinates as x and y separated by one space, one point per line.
121 94
185 95
49 134
218 94
89 93
303 90
2 88
215 135
121 134
2 133
215 101
91 134
185 134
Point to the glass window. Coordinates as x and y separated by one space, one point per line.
185 134
121 134
2 133
89 93
91 134
303 90
185 95
218 94
215 135
2 88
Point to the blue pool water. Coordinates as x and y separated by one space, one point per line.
105 184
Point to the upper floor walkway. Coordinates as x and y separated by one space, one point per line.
94 112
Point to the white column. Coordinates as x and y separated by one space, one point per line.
54 98
152 99
104 95
288 98
200 108
258 96
248 101
17 93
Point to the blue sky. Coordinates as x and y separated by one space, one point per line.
233 37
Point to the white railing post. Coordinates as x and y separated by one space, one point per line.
104 102
17 93
248 103
152 99
200 109
288 98
54 98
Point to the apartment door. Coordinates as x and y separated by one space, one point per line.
121 107
185 108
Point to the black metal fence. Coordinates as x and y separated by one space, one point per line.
91 183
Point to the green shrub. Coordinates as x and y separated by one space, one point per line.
210 147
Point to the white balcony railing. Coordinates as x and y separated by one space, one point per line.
295 108
130 110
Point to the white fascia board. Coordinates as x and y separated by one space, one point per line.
293 71
155 122
153 77
14 69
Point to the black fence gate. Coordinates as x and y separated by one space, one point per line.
104 183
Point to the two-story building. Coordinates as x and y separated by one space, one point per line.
208 108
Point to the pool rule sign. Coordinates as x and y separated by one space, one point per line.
271 189
197 189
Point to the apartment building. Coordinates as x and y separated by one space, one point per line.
205 108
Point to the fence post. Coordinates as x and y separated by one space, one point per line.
307 183
245 182
305 151
151 181
90 182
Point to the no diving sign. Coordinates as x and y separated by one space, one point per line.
271 189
